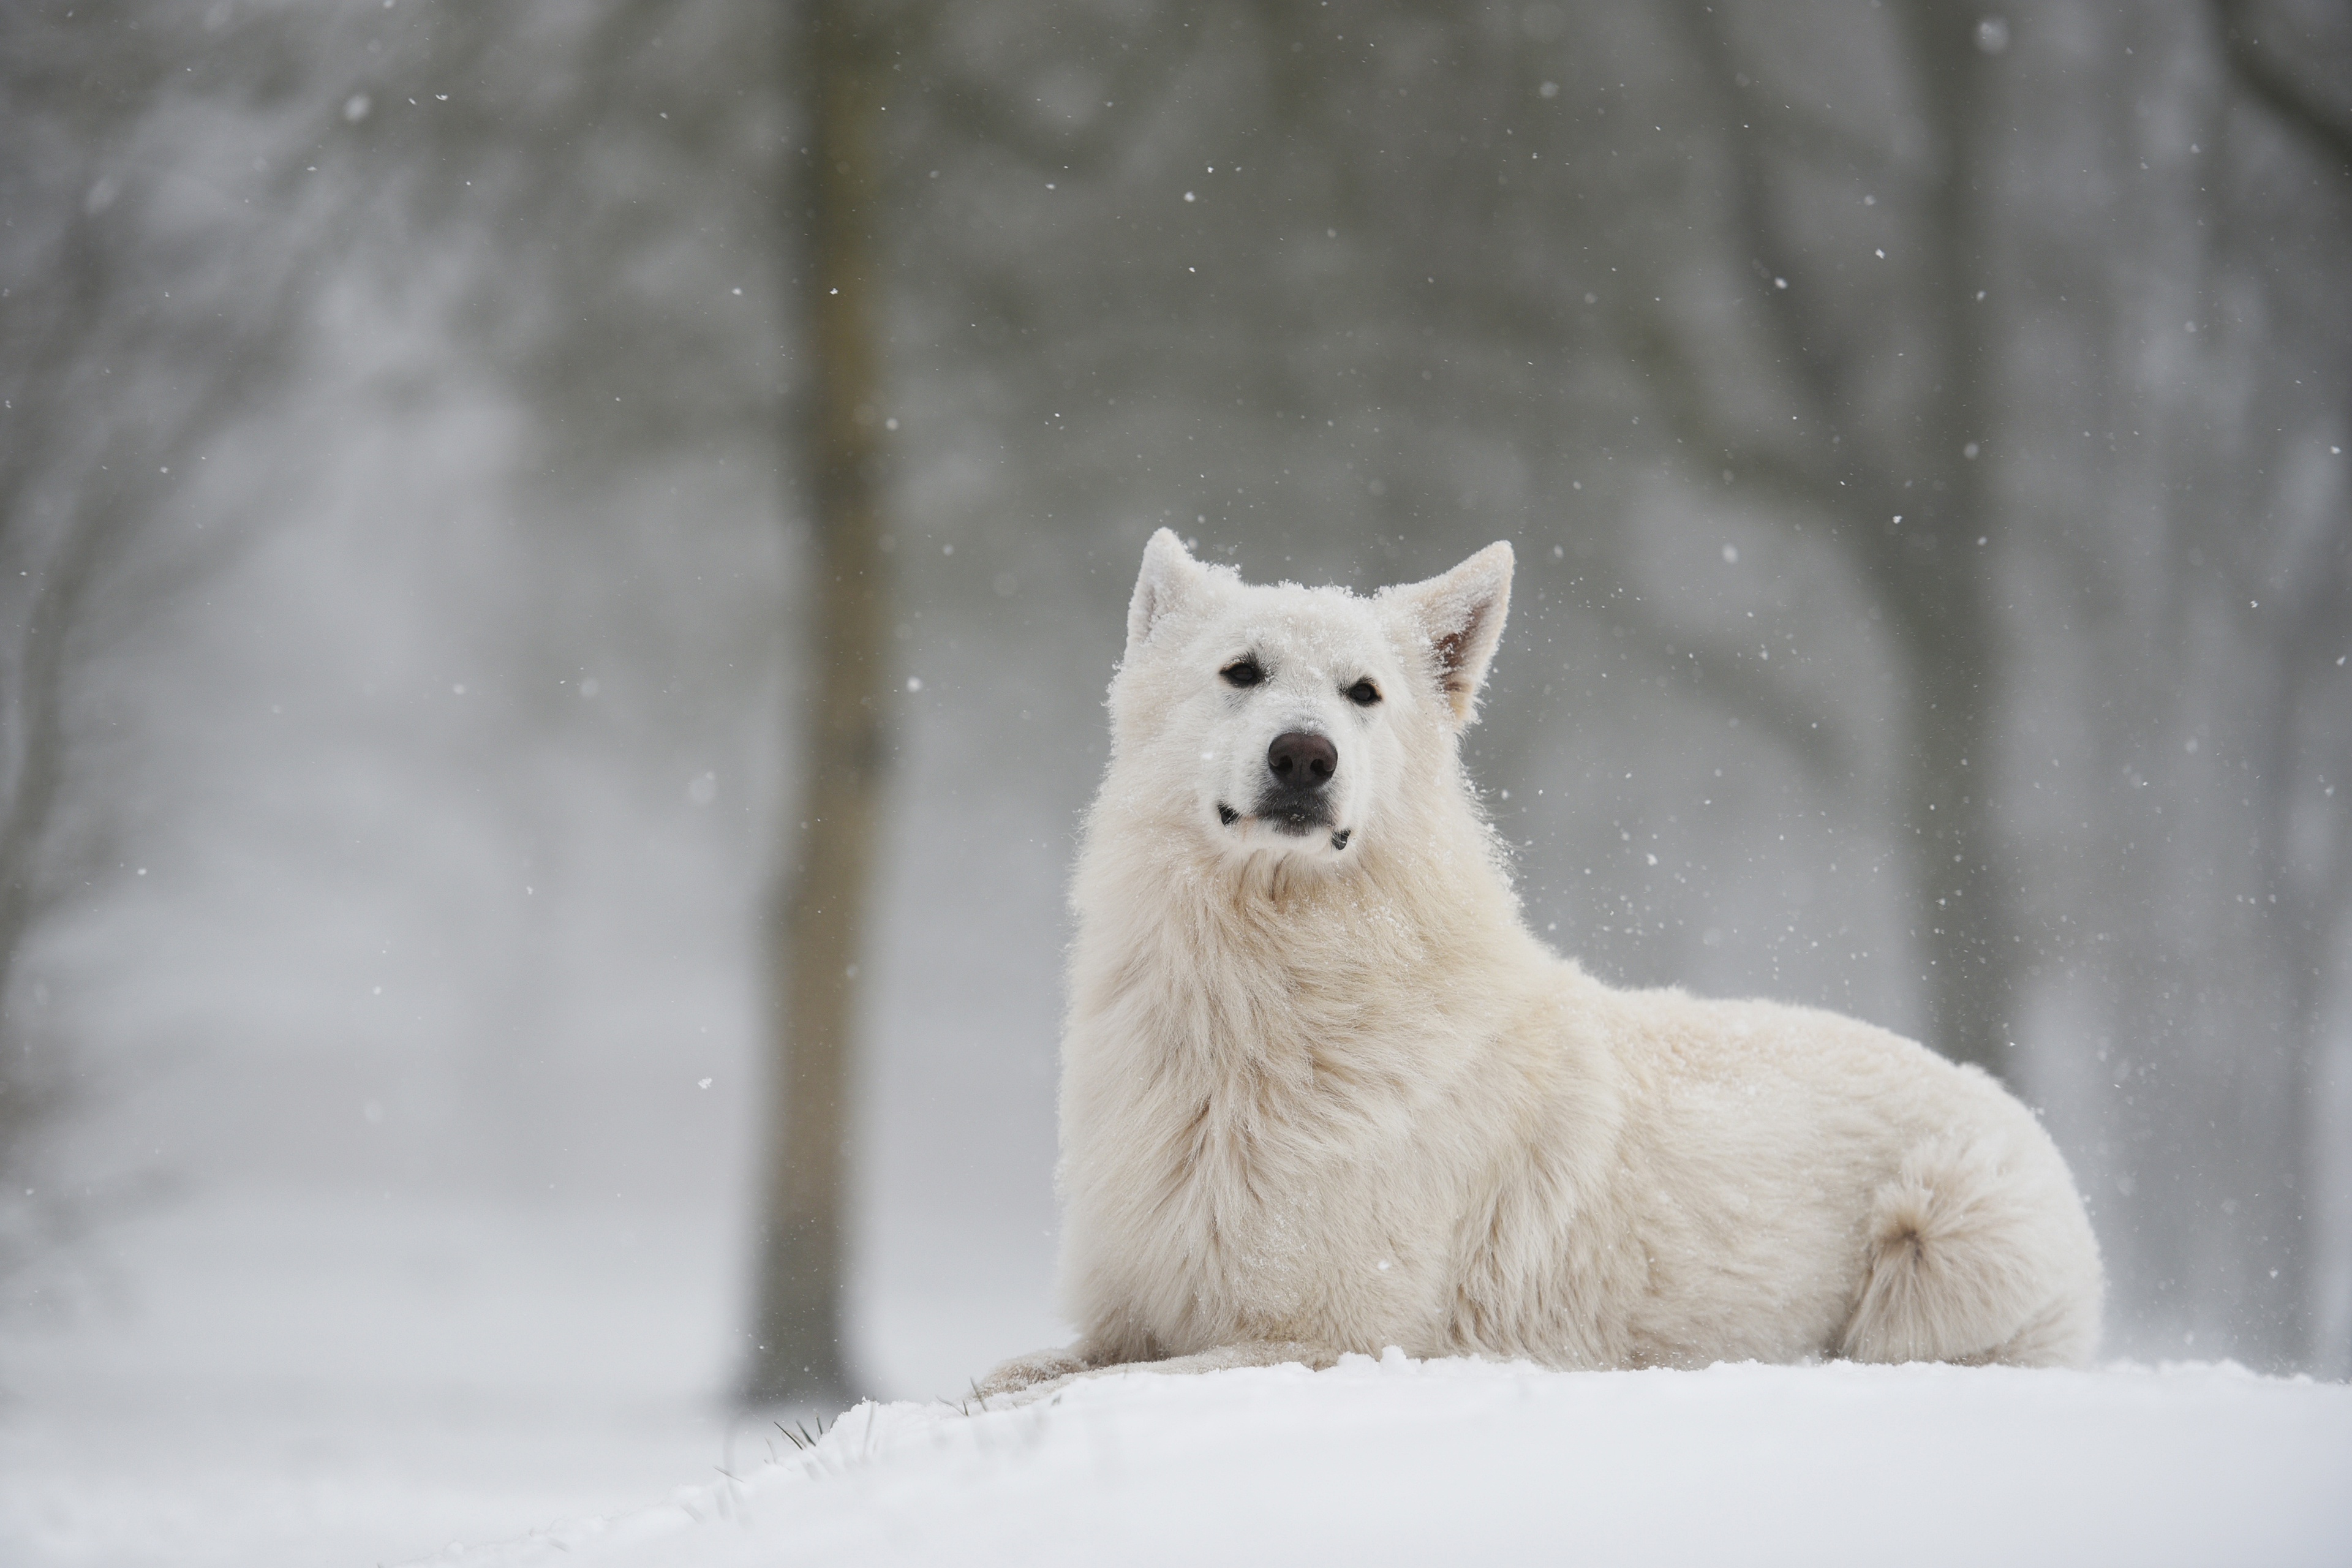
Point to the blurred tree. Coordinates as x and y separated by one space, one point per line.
2271 562
1893 456
821 916
113 389
2291 75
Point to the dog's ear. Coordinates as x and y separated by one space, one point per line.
1459 618
1171 579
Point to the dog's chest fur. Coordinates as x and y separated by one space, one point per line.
1250 1087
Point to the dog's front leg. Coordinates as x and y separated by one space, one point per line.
1052 1366
1308 1353
1033 1378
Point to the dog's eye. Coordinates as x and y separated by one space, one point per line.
1243 672
1363 694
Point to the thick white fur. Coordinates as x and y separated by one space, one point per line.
1321 1100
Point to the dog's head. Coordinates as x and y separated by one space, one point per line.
1295 721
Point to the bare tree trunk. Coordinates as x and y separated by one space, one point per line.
29 1091
2303 847
38 687
83 464
2305 874
1934 582
1939 578
1960 888
819 922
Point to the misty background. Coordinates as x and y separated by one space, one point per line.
1922 429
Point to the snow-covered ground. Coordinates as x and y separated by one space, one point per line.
283 1381
252 1378
1397 1461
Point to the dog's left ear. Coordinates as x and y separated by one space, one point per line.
1459 616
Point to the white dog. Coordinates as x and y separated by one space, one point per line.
1323 1091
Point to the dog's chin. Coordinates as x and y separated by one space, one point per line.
1312 834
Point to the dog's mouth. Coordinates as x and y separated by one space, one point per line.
1293 816
1295 812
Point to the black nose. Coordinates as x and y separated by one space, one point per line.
1300 761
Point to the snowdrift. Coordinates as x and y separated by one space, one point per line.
1428 1462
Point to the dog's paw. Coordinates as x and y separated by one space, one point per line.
1023 1373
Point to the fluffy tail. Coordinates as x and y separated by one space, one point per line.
1975 1259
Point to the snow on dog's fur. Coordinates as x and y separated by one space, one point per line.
1323 1090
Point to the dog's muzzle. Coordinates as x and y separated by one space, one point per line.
1296 796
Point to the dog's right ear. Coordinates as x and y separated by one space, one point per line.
1170 581
1459 618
